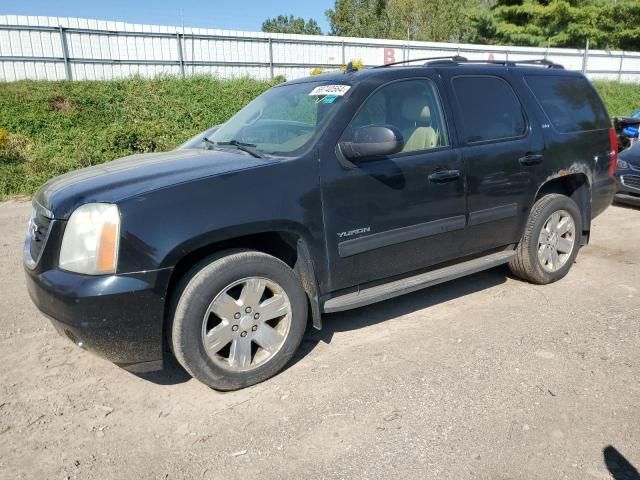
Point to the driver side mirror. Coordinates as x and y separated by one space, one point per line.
372 141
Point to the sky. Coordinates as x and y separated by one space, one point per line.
227 14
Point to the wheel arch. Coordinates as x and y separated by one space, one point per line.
575 186
288 245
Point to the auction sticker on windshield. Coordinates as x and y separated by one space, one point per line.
338 90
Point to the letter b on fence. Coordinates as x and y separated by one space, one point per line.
389 55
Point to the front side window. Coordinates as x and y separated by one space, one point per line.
281 121
489 109
570 103
412 107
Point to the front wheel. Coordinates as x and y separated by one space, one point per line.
550 242
238 320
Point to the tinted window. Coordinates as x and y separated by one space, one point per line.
489 109
570 103
411 106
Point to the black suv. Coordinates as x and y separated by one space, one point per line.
323 194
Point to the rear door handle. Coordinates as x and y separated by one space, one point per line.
531 159
443 176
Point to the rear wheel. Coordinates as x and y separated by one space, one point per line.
238 320
550 242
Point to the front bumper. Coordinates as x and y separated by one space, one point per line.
628 186
119 317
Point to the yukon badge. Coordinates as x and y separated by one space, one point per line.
356 231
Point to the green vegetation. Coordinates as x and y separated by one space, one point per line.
49 128
620 98
290 24
559 23
428 20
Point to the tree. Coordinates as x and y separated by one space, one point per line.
359 18
429 20
290 24
561 23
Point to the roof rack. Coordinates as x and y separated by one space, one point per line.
457 60
451 58
543 62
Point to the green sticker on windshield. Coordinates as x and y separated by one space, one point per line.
329 99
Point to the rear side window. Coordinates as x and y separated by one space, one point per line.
489 109
570 103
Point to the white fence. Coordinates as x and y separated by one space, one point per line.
52 48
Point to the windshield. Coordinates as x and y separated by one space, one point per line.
281 121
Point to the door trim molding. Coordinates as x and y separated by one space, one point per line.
492 214
400 235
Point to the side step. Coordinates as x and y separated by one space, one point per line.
418 282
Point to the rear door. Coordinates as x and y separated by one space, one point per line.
501 147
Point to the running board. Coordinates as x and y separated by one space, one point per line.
417 282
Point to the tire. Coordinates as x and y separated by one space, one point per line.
527 263
211 293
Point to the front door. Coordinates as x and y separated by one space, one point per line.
392 215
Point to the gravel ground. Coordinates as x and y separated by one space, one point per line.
484 377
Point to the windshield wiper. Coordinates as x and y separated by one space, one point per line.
245 147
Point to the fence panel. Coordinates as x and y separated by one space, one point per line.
54 48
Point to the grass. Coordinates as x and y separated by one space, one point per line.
49 128
620 98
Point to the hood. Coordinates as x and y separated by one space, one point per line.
136 174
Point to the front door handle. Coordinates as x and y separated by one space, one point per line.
531 159
442 176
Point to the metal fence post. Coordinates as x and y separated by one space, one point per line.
620 68
65 52
180 57
585 58
271 58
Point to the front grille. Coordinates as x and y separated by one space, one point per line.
37 234
631 181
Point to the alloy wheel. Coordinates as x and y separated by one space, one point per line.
246 324
556 241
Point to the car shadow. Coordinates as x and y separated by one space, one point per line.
173 373
379 312
629 205
618 466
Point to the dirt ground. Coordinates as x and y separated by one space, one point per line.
484 377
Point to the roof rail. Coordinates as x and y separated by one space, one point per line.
457 60
450 58
541 61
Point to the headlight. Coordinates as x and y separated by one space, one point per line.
90 242
621 164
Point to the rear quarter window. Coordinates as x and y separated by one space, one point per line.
570 103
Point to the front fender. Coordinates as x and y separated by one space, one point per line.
162 227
